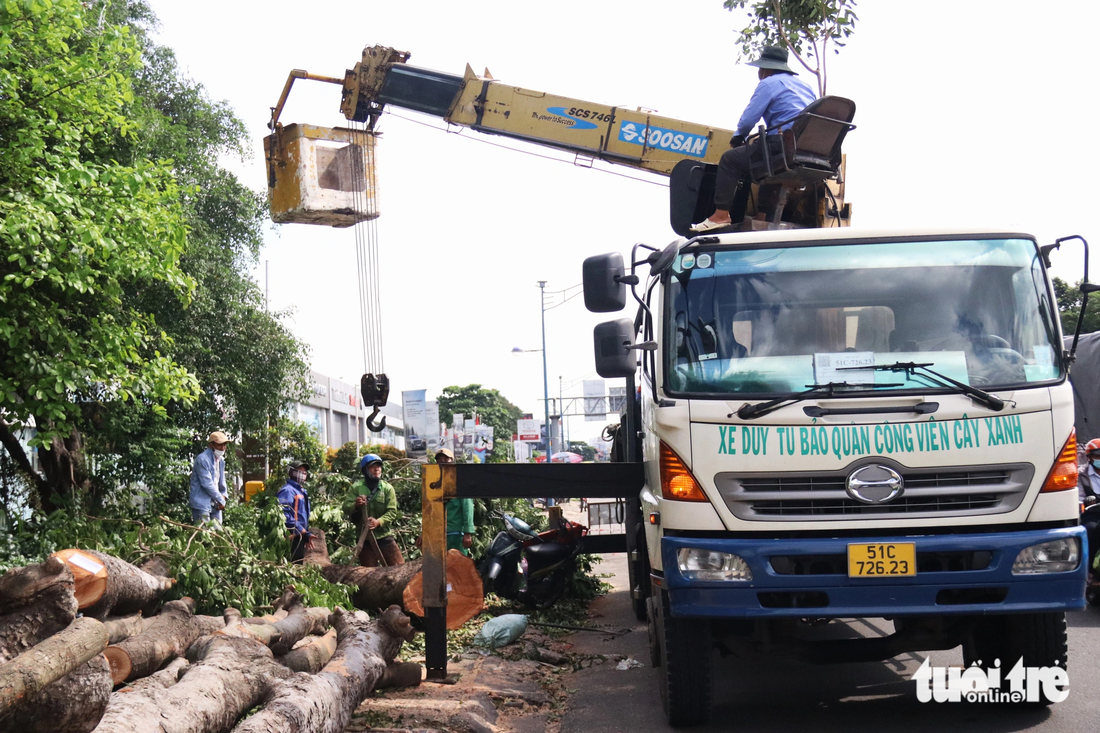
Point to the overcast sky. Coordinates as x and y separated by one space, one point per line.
969 113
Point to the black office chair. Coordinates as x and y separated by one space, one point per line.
809 148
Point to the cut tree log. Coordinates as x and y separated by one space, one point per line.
30 672
156 566
169 635
465 591
377 587
36 602
105 584
324 702
401 674
266 634
123 627
299 623
268 618
311 656
162 678
228 676
73 704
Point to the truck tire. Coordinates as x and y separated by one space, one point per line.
1038 638
638 575
685 651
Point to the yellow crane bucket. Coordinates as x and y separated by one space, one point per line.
321 175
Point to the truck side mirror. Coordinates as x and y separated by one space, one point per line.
614 347
604 290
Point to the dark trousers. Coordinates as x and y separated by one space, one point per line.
298 548
731 189
390 552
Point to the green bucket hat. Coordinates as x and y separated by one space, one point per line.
773 57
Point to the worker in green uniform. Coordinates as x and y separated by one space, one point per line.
460 514
380 501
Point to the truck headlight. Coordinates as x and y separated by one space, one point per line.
1055 556
698 564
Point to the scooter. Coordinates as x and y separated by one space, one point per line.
1090 514
546 559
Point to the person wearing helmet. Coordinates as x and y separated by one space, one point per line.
378 499
460 514
295 502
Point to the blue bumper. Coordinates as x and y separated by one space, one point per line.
769 594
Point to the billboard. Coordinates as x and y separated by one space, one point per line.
414 413
595 406
528 430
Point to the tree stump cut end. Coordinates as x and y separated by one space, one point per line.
89 576
120 662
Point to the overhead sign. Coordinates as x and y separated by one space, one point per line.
595 405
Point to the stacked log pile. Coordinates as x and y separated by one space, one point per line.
87 644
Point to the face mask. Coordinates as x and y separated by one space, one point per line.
1096 462
298 476
219 454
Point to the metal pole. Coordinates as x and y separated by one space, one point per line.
561 416
545 382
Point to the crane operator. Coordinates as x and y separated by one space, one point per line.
780 96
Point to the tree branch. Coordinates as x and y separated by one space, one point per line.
778 10
15 450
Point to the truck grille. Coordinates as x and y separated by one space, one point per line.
928 492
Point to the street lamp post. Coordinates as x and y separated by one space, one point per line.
545 382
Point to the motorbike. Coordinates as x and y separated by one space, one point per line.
1090 515
530 567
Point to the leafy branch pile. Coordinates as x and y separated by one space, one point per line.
241 565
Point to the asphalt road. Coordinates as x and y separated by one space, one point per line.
755 693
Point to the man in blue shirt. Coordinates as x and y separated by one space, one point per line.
779 97
208 492
295 502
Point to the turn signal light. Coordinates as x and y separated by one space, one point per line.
1063 475
676 480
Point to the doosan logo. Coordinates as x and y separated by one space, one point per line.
656 137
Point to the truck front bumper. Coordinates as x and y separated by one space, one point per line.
830 593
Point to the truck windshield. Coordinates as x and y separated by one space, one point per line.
772 321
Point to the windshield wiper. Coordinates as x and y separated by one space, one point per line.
750 412
991 401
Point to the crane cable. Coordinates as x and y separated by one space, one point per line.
364 196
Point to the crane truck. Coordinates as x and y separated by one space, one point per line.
831 423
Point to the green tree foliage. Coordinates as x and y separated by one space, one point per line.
806 28
243 565
234 364
492 408
1069 307
582 449
79 232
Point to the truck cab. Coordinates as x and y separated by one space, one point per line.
838 423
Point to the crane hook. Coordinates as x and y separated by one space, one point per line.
372 426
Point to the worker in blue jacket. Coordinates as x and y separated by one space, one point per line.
208 492
295 501
780 96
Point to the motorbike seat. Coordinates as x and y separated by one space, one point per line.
547 553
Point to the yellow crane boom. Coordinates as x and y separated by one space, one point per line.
635 138
312 179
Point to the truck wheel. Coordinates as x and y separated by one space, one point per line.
654 635
638 576
1038 638
685 649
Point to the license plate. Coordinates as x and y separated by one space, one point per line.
882 559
